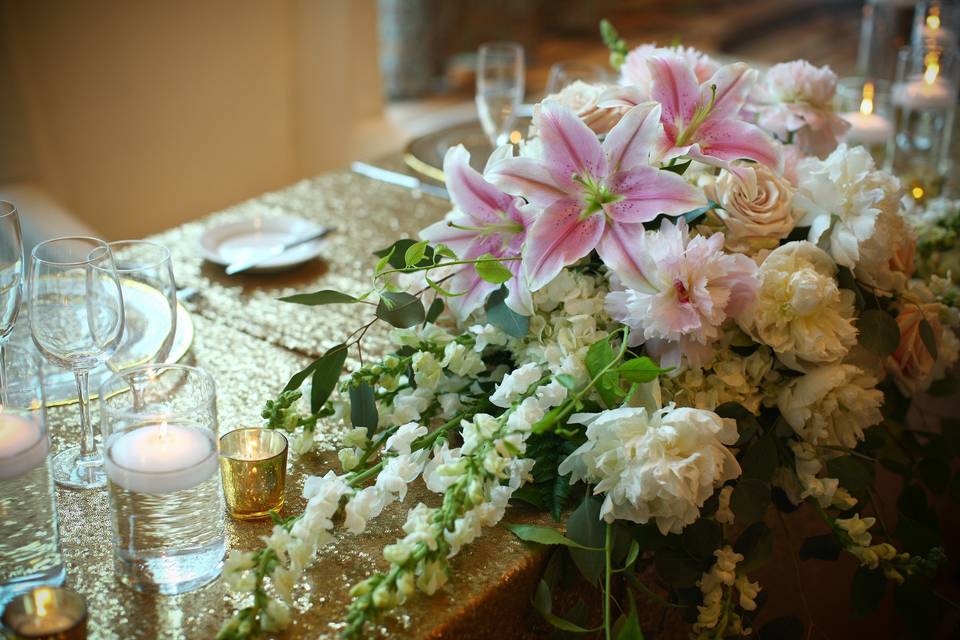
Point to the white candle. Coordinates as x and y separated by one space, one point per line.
23 445
160 458
919 94
867 128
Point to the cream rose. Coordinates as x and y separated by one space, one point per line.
583 99
912 366
832 405
887 257
800 311
757 210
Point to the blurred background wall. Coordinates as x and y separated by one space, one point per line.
138 116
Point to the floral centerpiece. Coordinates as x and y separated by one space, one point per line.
680 304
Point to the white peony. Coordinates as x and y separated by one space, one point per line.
843 196
659 466
832 405
800 312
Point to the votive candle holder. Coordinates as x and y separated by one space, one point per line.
253 467
46 613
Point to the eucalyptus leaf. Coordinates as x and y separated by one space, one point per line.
760 459
756 546
544 535
853 474
750 500
436 308
677 568
879 332
542 602
866 591
702 538
400 309
326 373
327 296
363 407
505 318
822 547
585 527
492 270
929 340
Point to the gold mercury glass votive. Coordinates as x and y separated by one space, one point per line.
253 465
46 613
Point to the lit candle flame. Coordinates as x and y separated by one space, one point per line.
932 63
41 600
163 430
866 105
933 19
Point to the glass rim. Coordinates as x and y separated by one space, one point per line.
97 243
501 46
7 208
282 451
119 377
164 251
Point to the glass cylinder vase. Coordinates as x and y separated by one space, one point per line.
29 533
159 426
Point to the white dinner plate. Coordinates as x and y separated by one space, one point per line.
228 243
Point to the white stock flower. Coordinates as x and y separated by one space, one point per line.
515 384
284 580
444 468
450 405
826 491
724 514
302 443
278 541
462 360
356 437
800 311
241 581
408 405
831 405
349 458
659 466
426 370
238 561
843 196
404 436
857 528
278 616
477 430
487 335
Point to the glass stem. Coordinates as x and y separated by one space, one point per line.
87 444
3 373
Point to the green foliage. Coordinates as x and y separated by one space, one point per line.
544 535
756 546
505 318
678 168
401 309
326 296
853 473
879 332
326 373
628 626
750 500
436 308
639 370
492 270
929 340
396 254
822 547
543 603
363 407
616 44
701 538
760 459
585 527
599 356
677 568
866 591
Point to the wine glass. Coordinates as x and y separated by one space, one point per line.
563 74
11 282
149 303
500 77
75 309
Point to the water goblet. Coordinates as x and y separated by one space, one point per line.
11 281
500 81
563 74
75 309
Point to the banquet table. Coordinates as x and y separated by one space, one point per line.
251 343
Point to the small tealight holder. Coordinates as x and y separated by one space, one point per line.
253 467
46 613
924 100
865 104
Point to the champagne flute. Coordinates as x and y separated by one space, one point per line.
563 74
11 282
149 303
75 309
500 78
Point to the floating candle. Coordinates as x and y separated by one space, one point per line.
160 458
23 445
867 127
926 91
47 613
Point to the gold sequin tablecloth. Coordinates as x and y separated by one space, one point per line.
251 343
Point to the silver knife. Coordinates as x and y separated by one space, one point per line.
399 179
262 256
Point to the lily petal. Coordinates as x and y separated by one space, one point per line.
630 142
620 249
558 238
441 232
469 192
675 87
526 176
646 192
733 82
474 289
728 140
569 146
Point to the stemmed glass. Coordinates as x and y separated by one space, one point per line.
500 78
149 303
75 309
563 74
11 282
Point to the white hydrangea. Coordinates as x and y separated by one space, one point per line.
800 311
728 377
844 195
832 405
658 466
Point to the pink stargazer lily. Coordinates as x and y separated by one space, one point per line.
702 120
595 195
485 220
